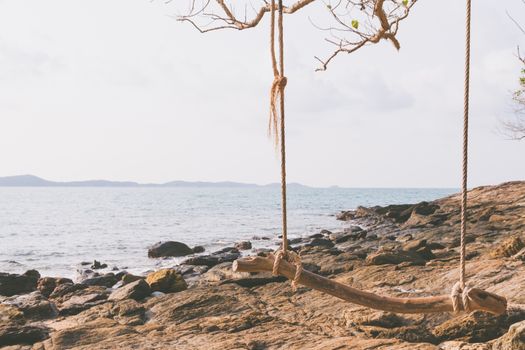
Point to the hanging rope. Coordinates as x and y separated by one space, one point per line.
277 130
460 291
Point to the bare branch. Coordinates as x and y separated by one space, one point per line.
355 23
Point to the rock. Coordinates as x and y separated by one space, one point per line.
260 238
231 250
128 278
166 281
412 334
34 306
85 335
326 232
508 248
413 246
223 273
398 212
435 246
198 249
474 327
47 285
334 236
243 245
520 255
348 235
74 298
129 312
79 303
12 284
137 290
11 314
202 260
64 291
228 254
263 251
456 241
425 208
353 229
107 280
296 240
22 334
345 215
514 339
320 242
379 319
169 248
405 238
394 257
97 265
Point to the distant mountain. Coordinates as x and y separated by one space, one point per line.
35 181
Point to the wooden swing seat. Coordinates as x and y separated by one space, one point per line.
478 298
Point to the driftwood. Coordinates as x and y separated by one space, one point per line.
478 298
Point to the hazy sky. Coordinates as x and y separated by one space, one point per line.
117 89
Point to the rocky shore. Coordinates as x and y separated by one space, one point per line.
398 250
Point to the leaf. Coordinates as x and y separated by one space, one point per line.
355 23
405 2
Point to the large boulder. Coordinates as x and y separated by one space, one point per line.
166 281
169 248
137 290
12 284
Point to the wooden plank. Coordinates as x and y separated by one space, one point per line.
479 299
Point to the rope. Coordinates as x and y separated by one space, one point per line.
460 286
277 128
465 149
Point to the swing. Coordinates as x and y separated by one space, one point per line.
287 263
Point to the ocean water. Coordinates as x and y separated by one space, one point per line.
53 230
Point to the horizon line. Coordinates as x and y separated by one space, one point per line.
188 183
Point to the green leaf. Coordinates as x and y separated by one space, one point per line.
355 23
405 2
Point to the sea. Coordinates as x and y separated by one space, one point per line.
55 229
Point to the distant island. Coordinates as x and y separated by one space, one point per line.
35 181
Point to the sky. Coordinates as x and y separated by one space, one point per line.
119 90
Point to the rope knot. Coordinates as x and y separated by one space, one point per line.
460 298
276 91
293 258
